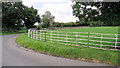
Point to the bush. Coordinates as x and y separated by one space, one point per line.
39 27
79 23
95 24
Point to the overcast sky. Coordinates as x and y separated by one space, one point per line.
61 9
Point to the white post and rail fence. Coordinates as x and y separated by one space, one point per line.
85 39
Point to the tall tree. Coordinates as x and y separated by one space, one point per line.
47 19
30 17
11 14
15 14
107 12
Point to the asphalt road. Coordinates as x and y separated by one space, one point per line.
12 55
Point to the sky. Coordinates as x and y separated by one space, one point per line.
61 9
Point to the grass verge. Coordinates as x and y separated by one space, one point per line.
8 33
71 52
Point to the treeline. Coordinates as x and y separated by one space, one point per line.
89 14
17 16
47 21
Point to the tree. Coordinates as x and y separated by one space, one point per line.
16 14
106 12
30 16
47 19
11 15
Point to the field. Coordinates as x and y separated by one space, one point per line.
107 30
96 37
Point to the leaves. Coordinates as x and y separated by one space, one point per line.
47 19
15 15
107 12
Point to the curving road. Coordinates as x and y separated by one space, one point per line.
12 55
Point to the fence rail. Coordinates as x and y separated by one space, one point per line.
85 39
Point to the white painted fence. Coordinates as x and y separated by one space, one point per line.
57 37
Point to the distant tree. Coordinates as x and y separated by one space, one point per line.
47 19
106 12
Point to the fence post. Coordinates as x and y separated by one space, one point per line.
36 35
116 42
101 41
51 36
45 36
76 38
66 37
29 33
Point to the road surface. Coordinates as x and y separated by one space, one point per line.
12 55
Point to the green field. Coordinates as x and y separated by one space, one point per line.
90 37
107 30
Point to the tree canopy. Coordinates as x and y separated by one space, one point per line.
106 12
16 14
47 19
30 17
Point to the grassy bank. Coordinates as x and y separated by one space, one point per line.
72 52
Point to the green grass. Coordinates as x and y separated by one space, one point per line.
8 33
107 30
90 42
72 52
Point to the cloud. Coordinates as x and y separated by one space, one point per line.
61 9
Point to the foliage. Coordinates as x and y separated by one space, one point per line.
95 24
80 23
39 27
30 16
11 15
68 24
106 12
47 19
15 15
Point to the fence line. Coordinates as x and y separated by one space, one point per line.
74 38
